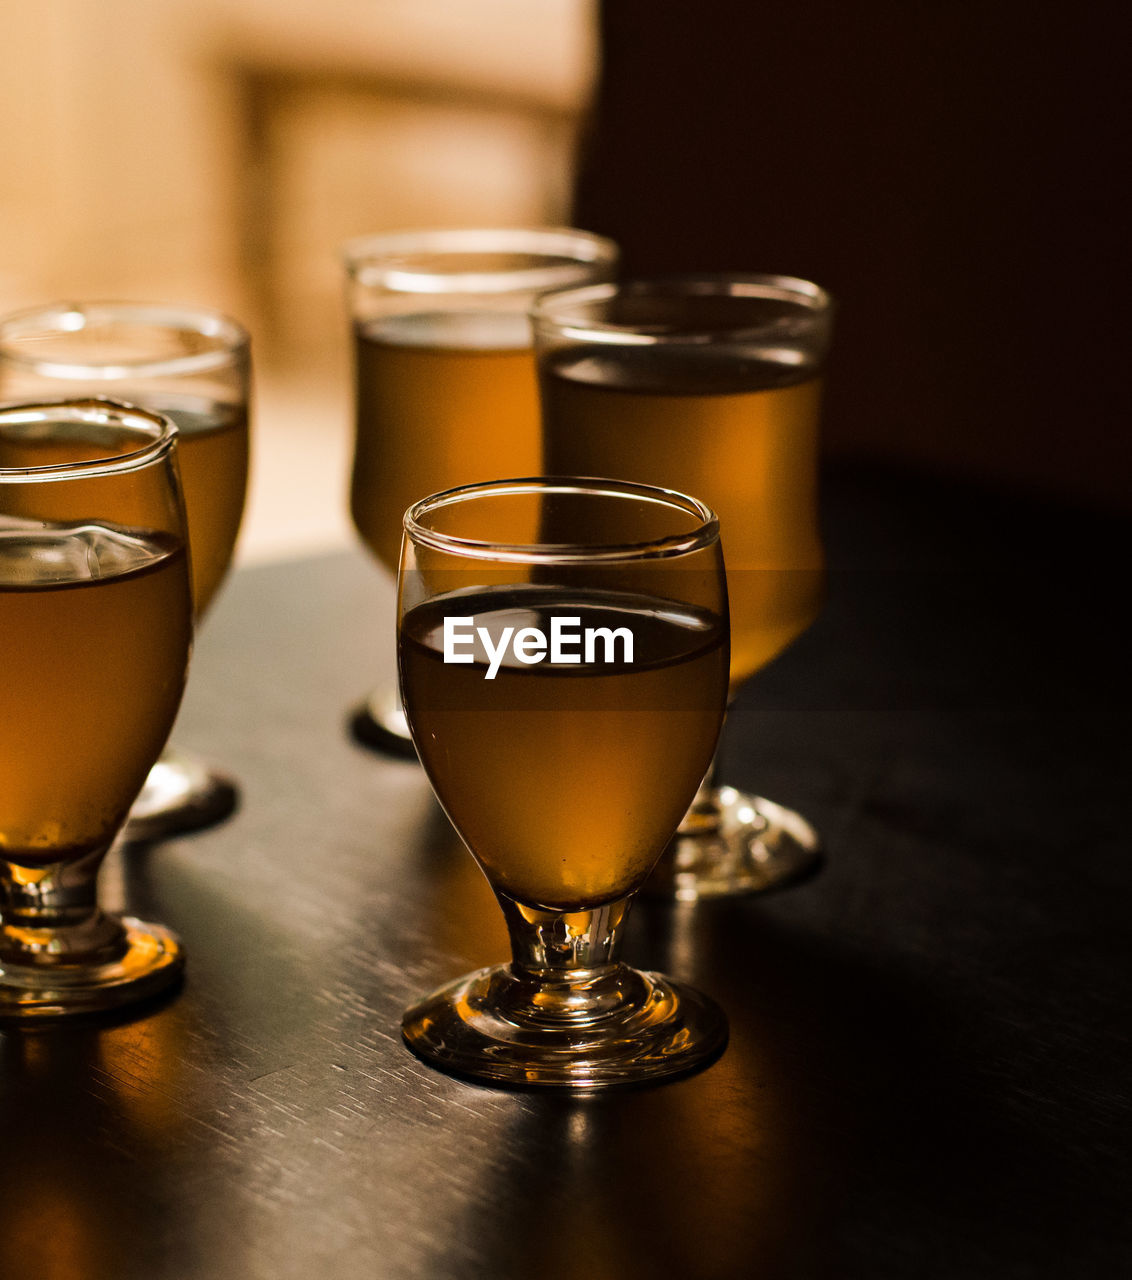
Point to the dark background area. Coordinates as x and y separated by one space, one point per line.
949 171
952 174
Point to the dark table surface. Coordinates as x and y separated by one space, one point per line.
928 1067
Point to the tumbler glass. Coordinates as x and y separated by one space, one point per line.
563 651
710 384
193 366
95 630
445 390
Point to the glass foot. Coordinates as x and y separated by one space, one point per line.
380 723
181 794
749 845
153 959
601 1028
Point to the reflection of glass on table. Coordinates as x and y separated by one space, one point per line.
95 631
445 390
193 366
709 385
565 764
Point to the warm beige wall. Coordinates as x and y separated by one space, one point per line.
129 169
122 160
111 183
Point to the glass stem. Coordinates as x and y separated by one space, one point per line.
551 943
50 915
565 966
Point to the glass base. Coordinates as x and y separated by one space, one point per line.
153 959
181 794
750 845
380 723
602 1028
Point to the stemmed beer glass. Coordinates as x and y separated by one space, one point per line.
709 384
95 631
193 366
563 649
445 390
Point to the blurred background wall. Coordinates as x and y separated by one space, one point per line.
220 152
950 171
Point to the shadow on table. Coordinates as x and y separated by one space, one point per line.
846 1130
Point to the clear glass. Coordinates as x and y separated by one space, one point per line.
563 652
95 630
445 390
709 384
192 365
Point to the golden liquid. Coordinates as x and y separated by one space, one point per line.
566 782
443 399
213 453
95 631
743 440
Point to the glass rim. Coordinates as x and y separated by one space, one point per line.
162 435
551 313
372 260
663 548
58 318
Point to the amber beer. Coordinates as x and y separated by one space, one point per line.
212 449
443 398
563 778
96 627
741 435
213 452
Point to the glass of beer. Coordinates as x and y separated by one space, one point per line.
563 650
445 390
708 384
95 631
193 366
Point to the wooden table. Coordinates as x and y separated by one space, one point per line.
926 1075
